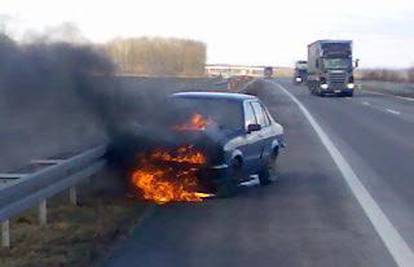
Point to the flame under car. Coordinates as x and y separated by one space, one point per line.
170 175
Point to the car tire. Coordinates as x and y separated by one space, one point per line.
268 170
230 187
264 176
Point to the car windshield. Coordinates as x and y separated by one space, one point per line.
302 65
337 63
222 113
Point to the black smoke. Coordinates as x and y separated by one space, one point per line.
61 97
54 97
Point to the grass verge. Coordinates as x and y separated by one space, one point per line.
74 236
391 88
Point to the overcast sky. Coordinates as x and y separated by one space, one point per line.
257 32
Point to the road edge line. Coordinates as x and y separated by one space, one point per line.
395 112
407 98
396 245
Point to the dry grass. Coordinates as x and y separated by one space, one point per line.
74 236
284 72
389 75
411 75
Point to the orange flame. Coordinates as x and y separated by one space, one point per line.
196 123
183 154
159 180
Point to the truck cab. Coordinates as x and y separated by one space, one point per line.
330 68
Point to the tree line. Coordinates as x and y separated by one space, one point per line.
136 56
391 75
157 56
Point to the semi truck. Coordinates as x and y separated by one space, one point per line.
301 72
330 68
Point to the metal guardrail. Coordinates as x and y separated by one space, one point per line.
35 188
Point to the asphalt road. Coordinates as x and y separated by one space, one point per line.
309 216
375 134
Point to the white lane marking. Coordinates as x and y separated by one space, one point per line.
389 95
405 98
396 245
348 98
376 93
393 111
366 103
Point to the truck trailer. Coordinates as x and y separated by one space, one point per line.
330 68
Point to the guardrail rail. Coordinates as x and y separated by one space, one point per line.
26 190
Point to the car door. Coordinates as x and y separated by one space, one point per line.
251 148
264 135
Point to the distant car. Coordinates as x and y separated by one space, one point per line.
246 138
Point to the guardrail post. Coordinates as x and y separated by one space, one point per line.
5 234
43 212
73 195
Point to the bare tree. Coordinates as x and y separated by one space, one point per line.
384 75
411 74
158 56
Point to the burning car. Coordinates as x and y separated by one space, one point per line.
215 142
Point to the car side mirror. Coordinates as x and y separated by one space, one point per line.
253 128
356 63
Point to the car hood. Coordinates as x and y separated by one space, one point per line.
133 140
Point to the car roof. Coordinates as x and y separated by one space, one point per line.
214 95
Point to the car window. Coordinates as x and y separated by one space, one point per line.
249 116
260 115
267 114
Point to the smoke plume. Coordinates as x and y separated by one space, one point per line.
54 97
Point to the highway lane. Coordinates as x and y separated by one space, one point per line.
308 217
403 108
378 144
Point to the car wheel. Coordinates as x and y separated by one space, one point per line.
230 187
264 176
269 169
